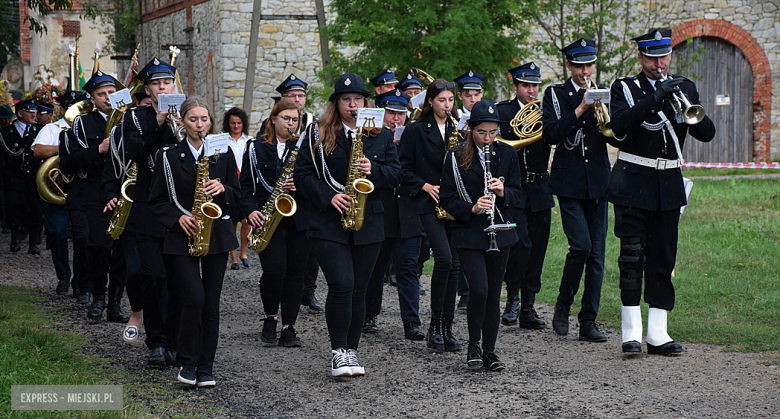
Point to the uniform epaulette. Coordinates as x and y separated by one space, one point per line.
560 85
627 78
166 148
505 102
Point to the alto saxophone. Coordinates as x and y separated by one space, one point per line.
453 142
278 205
357 186
203 210
122 210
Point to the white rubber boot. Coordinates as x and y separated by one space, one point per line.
631 323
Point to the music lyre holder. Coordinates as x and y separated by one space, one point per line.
172 109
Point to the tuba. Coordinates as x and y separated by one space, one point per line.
122 210
526 125
684 110
50 180
203 210
278 205
357 186
601 112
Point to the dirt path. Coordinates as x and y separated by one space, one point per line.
546 377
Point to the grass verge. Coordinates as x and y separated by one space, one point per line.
698 171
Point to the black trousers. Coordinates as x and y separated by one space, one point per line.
99 253
79 232
155 295
56 222
347 268
199 327
23 210
486 273
648 247
133 274
446 268
376 282
530 278
284 263
310 274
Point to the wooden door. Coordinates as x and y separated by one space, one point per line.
725 82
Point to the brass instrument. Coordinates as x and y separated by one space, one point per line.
684 110
50 180
278 205
357 186
122 210
178 130
601 111
426 80
491 212
203 210
452 142
527 125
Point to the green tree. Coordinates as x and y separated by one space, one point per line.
442 37
92 10
125 16
9 31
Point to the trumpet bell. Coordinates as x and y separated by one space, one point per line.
693 114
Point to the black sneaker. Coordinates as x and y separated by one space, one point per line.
288 338
357 368
491 362
474 355
83 298
269 331
339 365
205 380
62 287
370 326
463 303
187 375
590 333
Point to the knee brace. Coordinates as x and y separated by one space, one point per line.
631 263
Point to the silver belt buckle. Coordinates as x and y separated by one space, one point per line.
660 164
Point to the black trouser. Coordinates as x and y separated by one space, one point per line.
648 245
284 262
519 254
92 222
347 268
155 294
377 280
133 284
310 274
56 221
539 233
446 269
486 273
199 327
23 210
79 231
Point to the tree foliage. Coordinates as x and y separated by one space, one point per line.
9 31
92 10
125 16
442 37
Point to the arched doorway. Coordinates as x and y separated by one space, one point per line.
724 79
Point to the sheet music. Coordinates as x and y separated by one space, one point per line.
601 95
120 98
170 103
378 115
417 100
216 144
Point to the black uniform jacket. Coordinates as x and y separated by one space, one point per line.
113 170
583 171
400 220
85 164
532 158
645 187
19 171
422 150
310 181
184 173
269 166
143 138
468 227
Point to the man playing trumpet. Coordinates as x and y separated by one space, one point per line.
579 178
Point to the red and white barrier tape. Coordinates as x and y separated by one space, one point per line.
759 165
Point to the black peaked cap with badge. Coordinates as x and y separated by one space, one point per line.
656 43
98 80
394 100
291 83
581 51
470 80
385 77
526 73
157 69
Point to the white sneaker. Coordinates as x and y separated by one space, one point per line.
357 369
339 365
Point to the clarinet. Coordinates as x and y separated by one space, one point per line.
491 213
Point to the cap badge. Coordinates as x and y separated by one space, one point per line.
99 73
408 76
532 66
583 43
292 76
490 109
658 35
398 93
156 61
471 73
347 82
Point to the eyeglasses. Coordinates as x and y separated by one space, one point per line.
298 96
286 118
444 86
483 133
347 100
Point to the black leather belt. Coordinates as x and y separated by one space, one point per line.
532 177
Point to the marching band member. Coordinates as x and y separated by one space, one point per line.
20 166
403 236
384 82
198 278
145 130
467 173
236 124
470 91
524 271
85 155
422 150
346 257
647 188
45 111
580 175
411 85
284 259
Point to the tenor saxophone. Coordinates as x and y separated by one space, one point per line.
453 141
122 210
357 186
203 210
278 205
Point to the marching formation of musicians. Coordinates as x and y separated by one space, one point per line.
152 212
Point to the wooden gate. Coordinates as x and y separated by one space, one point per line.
725 82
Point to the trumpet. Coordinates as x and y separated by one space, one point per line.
684 110
601 111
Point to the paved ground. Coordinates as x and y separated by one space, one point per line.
546 377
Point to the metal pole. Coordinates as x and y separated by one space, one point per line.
249 84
